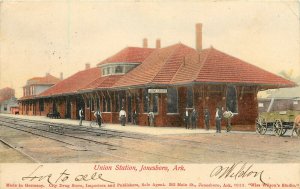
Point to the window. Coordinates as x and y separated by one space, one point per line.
119 69
88 103
137 104
150 102
5 107
172 99
92 105
231 100
155 103
41 105
189 97
97 104
108 70
146 100
119 100
106 104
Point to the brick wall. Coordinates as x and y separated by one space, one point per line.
245 120
61 107
74 110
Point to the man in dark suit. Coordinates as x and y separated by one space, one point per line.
194 118
206 118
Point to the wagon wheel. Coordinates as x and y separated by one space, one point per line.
258 124
278 127
284 131
261 125
263 128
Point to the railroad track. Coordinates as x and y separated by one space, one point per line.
114 139
91 130
39 128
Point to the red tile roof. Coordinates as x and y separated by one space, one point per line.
73 83
159 67
129 54
27 97
47 80
179 64
221 67
173 65
102 82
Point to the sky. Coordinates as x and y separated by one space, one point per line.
39 37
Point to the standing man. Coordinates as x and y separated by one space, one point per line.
80 113
98 116
186 118
206 118
134 117
151 118
218 120
228 115
122 116
194 118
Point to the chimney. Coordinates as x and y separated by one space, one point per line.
61 76
158 43
199 37
87 66
145 43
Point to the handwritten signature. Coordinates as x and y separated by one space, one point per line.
237 170
63 176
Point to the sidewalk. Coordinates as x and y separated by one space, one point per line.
127 128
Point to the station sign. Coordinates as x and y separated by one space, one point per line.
157 90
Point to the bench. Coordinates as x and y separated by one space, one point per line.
54 115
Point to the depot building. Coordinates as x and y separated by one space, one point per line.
166 80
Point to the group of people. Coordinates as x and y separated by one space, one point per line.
99 120
190 118
122 116
97 115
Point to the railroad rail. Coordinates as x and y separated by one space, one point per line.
41 129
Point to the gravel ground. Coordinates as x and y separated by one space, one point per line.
175 148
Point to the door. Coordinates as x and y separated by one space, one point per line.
79 104
68 108
129 108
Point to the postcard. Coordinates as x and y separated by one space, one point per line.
149 94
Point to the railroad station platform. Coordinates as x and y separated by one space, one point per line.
128 128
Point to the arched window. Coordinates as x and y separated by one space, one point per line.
172 98
231 99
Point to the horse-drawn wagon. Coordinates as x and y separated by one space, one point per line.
279 122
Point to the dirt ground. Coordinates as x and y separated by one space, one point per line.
183 148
